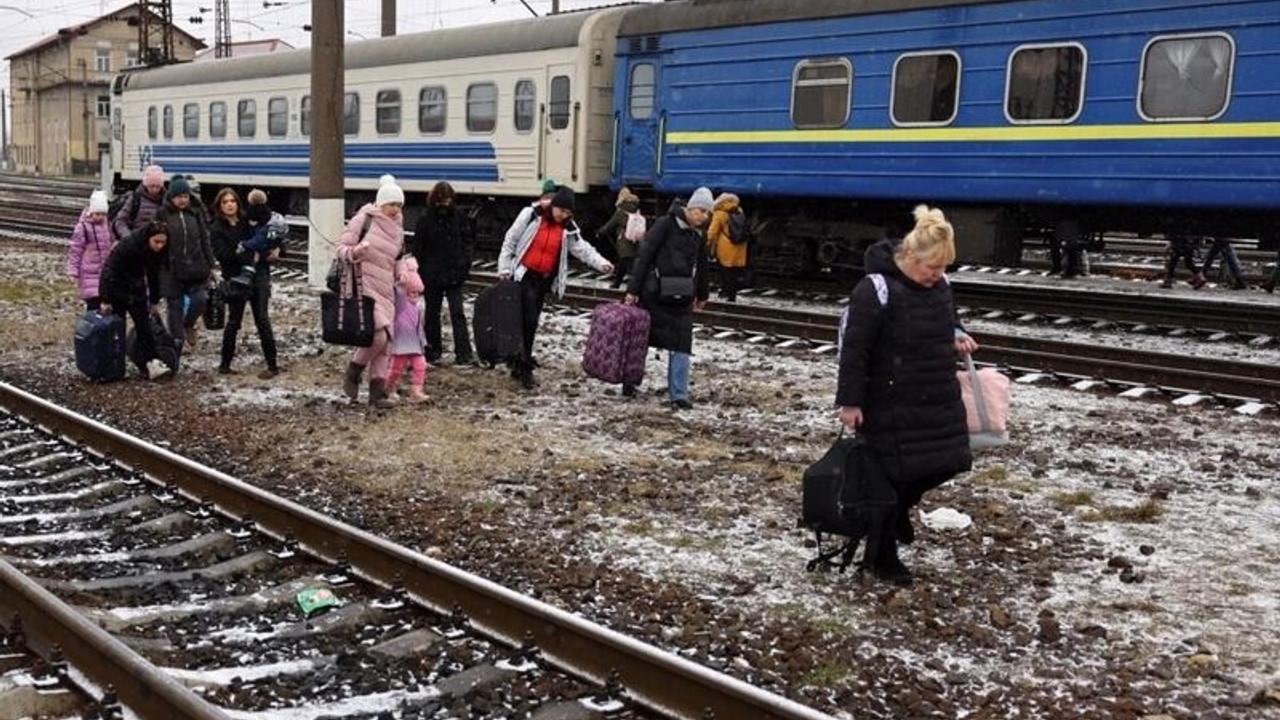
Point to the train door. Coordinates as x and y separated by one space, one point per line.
641 123
559 127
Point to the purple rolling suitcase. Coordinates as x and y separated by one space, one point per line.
617 344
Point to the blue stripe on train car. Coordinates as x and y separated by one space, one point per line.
724 98
475 162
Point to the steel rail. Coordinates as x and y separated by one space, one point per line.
47 621
660 681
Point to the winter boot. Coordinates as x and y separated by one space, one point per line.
881 556
378 394
351 381
1198 281
416 395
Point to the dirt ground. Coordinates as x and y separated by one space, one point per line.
1122 560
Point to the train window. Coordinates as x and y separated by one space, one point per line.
247 118
153 122
926 88
1186 77
351 113
820 93
1045 84
642 90
432 107
168 122
558 104
482 107
526 102
191 121
278 117
117 124
217 119
304 115
387 112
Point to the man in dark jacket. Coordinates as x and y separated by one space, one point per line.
897 380
669 278
191 262
444 262
130 286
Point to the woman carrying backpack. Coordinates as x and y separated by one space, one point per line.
727 241
616 230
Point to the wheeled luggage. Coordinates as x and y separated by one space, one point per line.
617 343
498 323
166 346
100 346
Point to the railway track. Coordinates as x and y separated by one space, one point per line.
181 588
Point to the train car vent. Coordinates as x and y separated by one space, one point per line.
635 45
652 44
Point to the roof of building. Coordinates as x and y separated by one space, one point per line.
84 28
247 48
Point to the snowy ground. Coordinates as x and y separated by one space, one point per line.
1122 561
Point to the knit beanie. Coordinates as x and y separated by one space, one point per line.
563 198
153 175
389 191
548 186
701 199
98 202
178 186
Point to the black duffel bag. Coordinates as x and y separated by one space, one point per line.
346 317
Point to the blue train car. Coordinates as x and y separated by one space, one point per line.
832 118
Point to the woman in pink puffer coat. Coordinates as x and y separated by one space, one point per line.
91 243
376 255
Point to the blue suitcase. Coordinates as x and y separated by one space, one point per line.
100 347
498 323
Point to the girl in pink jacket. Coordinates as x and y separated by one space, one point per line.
91 242
375 253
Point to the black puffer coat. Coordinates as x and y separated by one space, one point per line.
898 363
675 249
190 252
444 257
132 271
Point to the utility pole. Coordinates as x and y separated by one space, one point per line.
221 29
388 18
327 189
155 32
4 131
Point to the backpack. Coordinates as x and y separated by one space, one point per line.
132 199
736 228
882 294
636 227
841 491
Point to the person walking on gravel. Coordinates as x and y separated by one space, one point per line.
897 379
130 287
141 204
227 233
191 263
444 262
375 252
91 243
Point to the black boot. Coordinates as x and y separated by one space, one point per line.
378 396
889 567
903 530
881 556
351 381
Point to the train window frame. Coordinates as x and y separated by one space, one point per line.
153 123
477 124
558 108
191 121
166 122
218 120
1080 95
277 117
351 114
1228 85
304 116
426 124
955 96
635 100
799 87
246 118
385 121
524 105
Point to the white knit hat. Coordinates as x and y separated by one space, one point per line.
98 202
702 199
389 191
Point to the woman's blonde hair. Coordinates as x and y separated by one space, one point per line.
932 237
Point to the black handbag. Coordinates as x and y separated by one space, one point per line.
346 317
215 309
675 289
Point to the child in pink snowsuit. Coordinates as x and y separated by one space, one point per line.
407 336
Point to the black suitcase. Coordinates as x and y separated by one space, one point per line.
166 346
100 347
498 323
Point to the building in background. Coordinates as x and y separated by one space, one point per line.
61 91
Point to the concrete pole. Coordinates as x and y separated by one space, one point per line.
327 189
388 18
